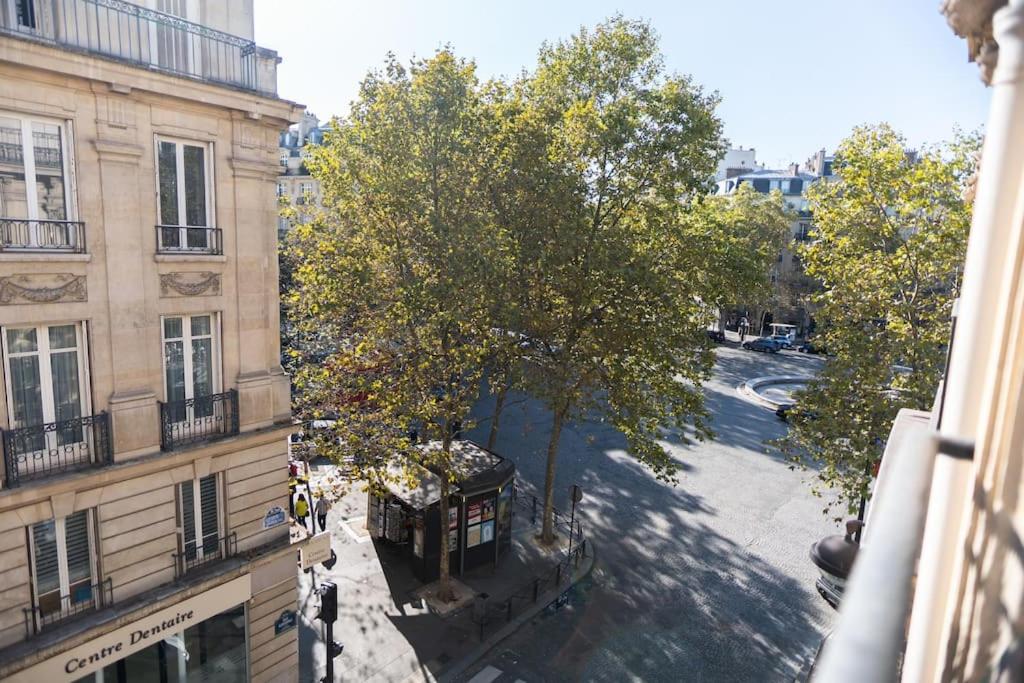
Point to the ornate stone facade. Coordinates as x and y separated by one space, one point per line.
189 284
29 288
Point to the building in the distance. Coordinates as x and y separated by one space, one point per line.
295 186
790 285
144 411
737 161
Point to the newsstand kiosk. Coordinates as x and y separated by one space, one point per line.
479 513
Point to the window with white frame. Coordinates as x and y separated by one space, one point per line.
63 566
45 370
35 197
185 198
199 519
21 13
191 365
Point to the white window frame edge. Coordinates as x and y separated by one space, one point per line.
179 169
81 339
29 161
186 334
63 577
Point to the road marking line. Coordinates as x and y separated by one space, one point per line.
486 676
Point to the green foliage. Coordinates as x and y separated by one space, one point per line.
397 270
888 244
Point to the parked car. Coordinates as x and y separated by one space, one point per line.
784 341
716 336
810 347
764 344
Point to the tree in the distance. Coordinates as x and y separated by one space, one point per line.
888 245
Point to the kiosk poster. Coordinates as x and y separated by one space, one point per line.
488 510
487 532
453 540
473 536
453 518
473 513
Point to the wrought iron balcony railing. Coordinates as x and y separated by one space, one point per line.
144 37
46 449
182 239
206 551
19 234
199 419
54 609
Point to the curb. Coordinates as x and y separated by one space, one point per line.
449 674
750 387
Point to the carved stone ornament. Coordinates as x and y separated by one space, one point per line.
42 288
972 19
189 284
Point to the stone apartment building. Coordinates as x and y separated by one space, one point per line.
294 184
144 411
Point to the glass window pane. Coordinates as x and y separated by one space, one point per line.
22 341
168 174
195 185
26 393
63 337
44 538
172 328
13 197
174 360
67 399
200 325
217 648
49 157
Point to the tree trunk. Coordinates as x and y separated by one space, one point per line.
547 534
445 593
499 405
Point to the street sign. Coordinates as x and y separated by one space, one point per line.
315 551
576 493
285 622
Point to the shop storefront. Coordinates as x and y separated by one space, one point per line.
479 514
202 638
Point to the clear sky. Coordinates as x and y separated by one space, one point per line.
794 76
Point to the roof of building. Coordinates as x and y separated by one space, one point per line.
476 468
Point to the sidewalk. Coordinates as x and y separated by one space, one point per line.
388 633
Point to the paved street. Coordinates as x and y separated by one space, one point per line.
705 581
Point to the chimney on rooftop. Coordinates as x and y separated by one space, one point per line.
794 169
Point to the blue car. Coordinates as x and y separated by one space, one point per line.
764 344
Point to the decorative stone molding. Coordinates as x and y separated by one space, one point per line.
189 284
42 288
113 150
972 19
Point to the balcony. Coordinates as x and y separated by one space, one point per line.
211 550
19 235
56 609
180 239
43 450
198 420
145 38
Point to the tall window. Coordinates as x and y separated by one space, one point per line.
191 367
183 178
198 518
34 197
45 372
62 566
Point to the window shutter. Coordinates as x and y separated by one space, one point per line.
208 505
44 538
188 519
77 530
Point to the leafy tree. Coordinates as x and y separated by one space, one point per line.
611 309
889 240
397 271
739 237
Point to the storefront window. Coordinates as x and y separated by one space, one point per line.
213 650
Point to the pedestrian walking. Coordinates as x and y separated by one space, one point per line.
744 326
302 511
322 508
